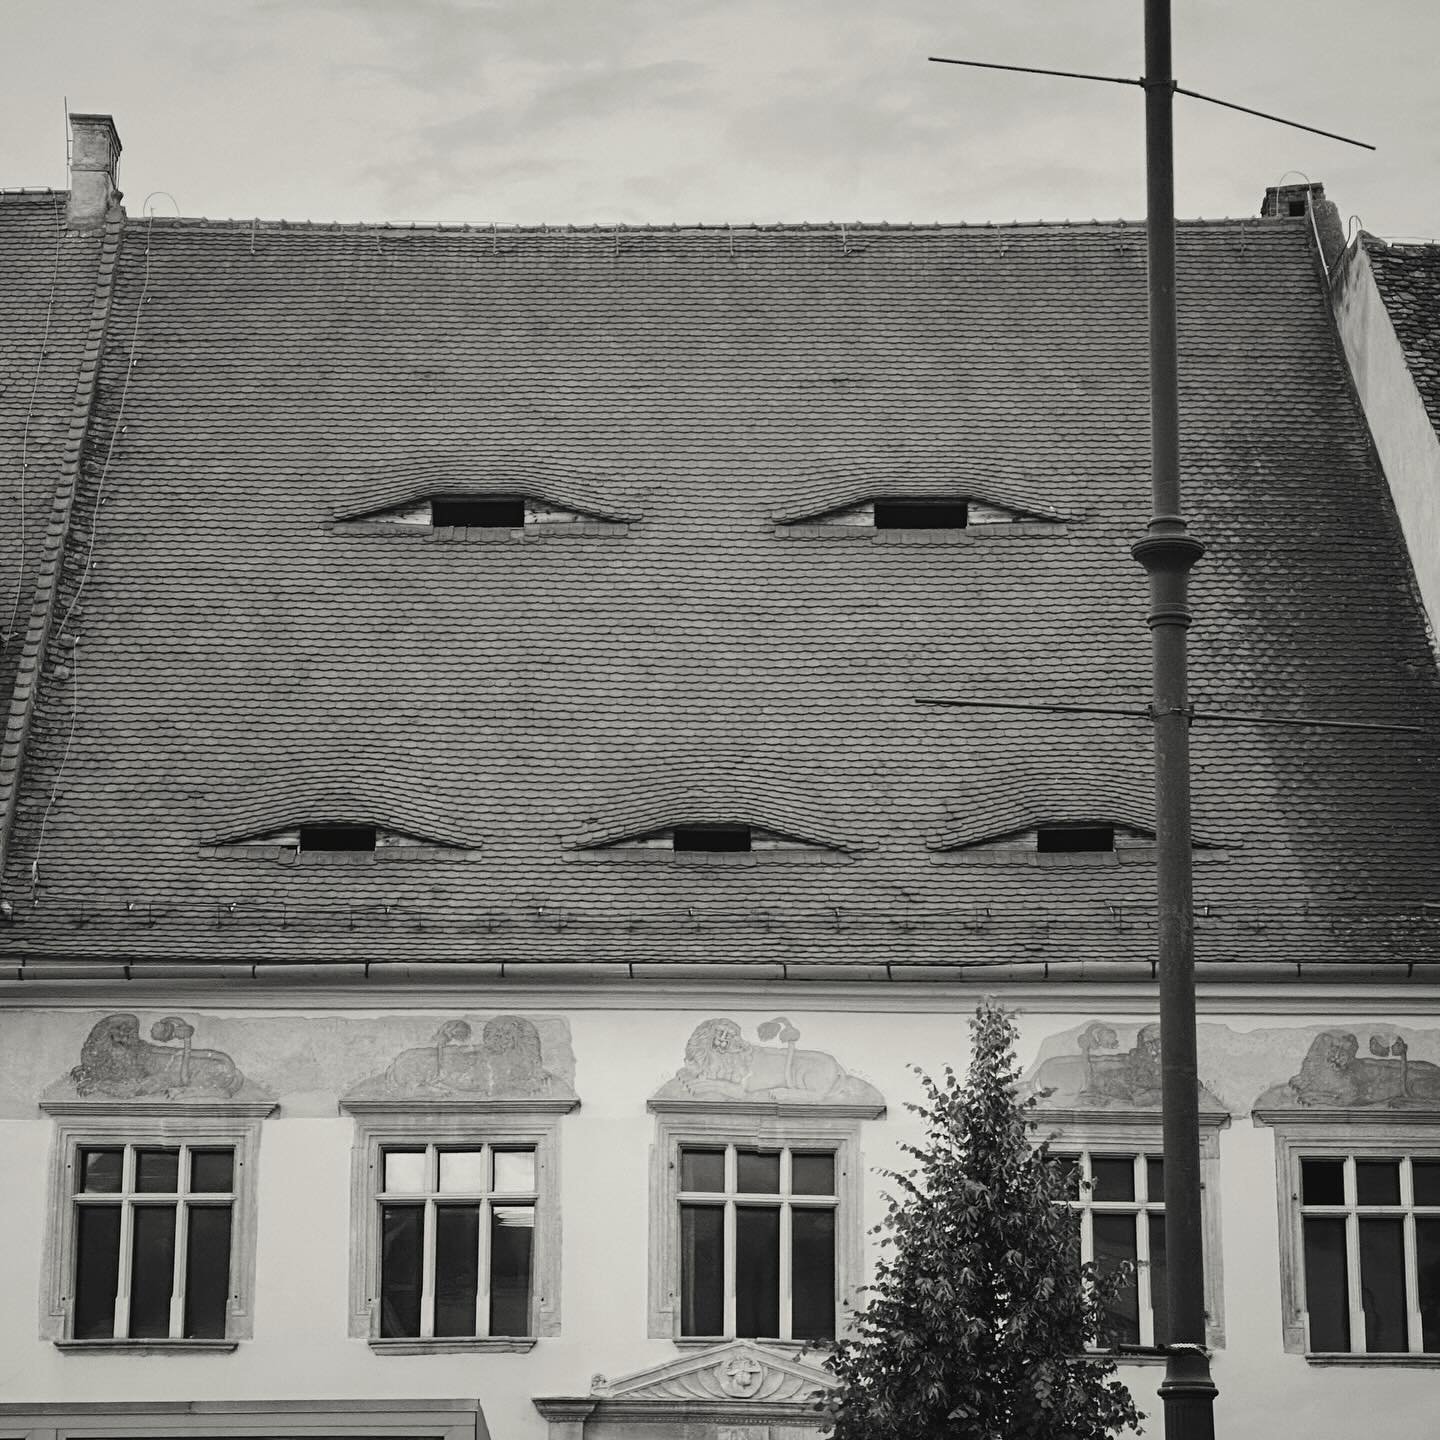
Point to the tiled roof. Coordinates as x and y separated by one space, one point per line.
1408 277
231 636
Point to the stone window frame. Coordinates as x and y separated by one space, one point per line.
245 1419
381 1123
1334 1134
1139 1131
108 1124
762 1125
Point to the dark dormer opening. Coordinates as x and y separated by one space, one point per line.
711 837
1058 839
478 512
337 837
921 514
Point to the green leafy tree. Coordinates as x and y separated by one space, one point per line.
977 1324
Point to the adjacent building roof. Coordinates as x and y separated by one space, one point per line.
1408 278
226 637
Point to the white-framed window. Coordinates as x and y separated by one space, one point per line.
152 1240
1118 1191
1360 1234
457 1227
755 1227
1120 1199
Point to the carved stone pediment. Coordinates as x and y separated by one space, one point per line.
742 1388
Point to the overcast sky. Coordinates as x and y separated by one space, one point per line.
529 111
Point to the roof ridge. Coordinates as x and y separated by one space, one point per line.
47 580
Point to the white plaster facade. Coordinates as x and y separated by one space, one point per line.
309 1047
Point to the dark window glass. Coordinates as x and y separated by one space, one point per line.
1382 1285
207 1272
512 1236
812 1174
1155 1179
1322 1182
101 1171
1070 1168
337 837
1114 1177
757 1271
702 1170
812 1274
401 1228
1326 1292
757 1172
152 1272
97 1270
711 837
1114 1246
1053 839
1159 1278
471 512
212 1172
702 1270
1427 1265
157 1171
920 514
1425 1175
1377 1182
457 1268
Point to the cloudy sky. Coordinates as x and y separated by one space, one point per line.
529 111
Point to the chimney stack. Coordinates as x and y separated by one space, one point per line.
1299 200
94 156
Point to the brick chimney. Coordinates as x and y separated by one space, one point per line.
1299 200
94 156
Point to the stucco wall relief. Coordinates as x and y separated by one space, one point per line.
1340 1073
722 1065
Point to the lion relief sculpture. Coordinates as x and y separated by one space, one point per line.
116 1062
721 1064
1334 1075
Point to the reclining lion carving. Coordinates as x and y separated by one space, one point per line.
115 1061
1334 1075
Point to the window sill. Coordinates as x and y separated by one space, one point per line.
789 1347
1428 1361
147 1347
456 1345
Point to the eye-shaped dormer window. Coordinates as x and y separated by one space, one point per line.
859 504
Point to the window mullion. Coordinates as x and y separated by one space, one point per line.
1414 1326
786 1317
483 1278
127 1244
1358 1338
1143 1274
731 1182
429 1241
182 1246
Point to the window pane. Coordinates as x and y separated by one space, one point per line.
1070 1168
462 1172
207 1272
457 1265
1426 1177
401 1229
1377 1182
702 1270
157 1171
812 1174
1114 1177
812 1274
1114 1245
1382 1285
757 1271
405 1172
757 1172
1427 1263
1322 1182
1155 1179
212 1172
702 1170
97 1270
100 1170
515 1172
1326 1283
152 1271
512 1245
1159 1277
